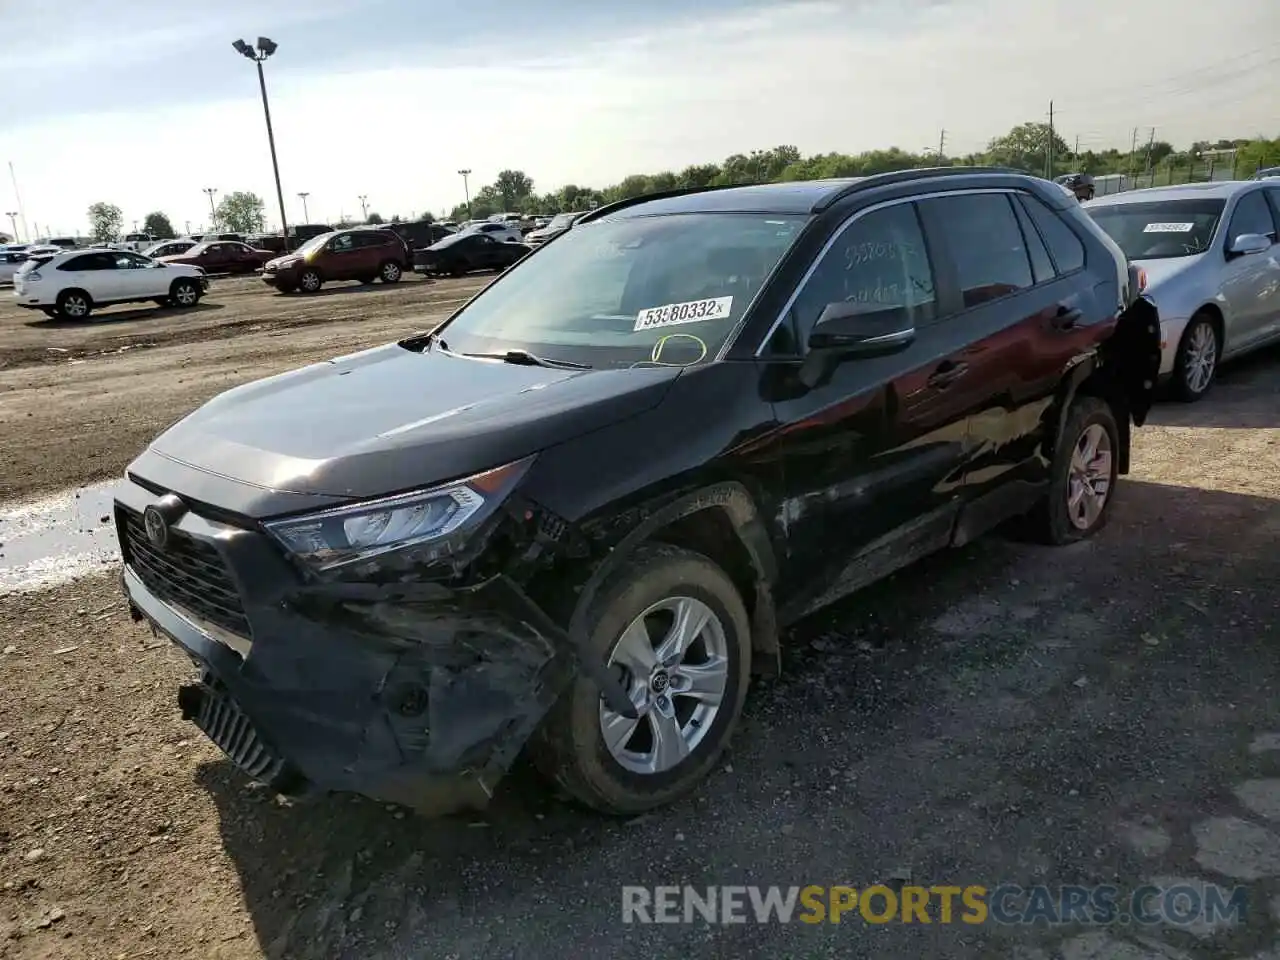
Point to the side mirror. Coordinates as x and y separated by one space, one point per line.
846 330
1249 243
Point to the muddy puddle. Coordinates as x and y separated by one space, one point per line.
57 538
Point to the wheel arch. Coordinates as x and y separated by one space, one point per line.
1214 313
720 521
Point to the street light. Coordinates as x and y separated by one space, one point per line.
364 206
303 196
13 222
213 214
265 49
466 190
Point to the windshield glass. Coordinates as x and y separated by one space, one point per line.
561 220
315 243
1160 229
667 289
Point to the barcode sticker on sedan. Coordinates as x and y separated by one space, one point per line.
1168 228
692 311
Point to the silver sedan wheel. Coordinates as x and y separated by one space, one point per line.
673 663
1089 483
1202 357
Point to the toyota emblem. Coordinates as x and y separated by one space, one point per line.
157 527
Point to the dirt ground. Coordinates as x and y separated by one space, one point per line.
1104 713
79 400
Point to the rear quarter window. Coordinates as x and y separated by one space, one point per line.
1066 249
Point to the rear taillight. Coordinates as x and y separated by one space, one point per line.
33 275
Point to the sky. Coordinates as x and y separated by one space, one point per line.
144 103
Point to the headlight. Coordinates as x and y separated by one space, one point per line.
438 517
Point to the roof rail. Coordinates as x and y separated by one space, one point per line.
617 205
902 176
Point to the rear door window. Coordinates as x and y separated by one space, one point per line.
1064 246
981 234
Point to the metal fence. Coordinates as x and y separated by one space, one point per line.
1199 170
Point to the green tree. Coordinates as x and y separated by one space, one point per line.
105 221
374 218
242 212
427 217
158 225
512 187
1024 147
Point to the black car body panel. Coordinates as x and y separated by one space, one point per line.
416 675
459 254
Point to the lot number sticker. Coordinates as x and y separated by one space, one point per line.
715 308
1168 228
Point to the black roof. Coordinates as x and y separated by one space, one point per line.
796 197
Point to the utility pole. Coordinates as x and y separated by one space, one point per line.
1075 154
1133 147
22 212
466 189
303 195
213 213
1146 167
364 206
1048 153
942 143
13 222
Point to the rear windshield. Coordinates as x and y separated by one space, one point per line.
667 289
36 261
1160 229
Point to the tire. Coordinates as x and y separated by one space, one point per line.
309 281
1068 514
184 294
458 270
74 304
1196 362
569 747
390 272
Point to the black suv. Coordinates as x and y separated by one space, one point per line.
576 517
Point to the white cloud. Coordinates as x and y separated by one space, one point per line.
824 76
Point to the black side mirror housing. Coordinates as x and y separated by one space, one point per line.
847 330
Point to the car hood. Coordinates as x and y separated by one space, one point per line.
391 419
1161 271
281 259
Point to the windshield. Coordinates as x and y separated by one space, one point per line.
666 289
1160 229
315 243
562 220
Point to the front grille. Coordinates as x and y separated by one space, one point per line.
187 573
233 733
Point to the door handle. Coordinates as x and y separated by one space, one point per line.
948 372
1066 318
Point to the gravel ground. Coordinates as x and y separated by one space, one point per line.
1104 713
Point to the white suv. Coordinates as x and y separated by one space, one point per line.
73 283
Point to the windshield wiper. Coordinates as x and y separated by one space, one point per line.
527 359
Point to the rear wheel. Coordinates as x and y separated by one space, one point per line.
390 272
74 304
310 281
1083 475
675 633
1197 359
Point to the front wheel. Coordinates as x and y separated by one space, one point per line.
74 304
185 293
309 281
1197 359
390 272
1083 475
673 630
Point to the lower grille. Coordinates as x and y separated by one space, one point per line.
187 573
232 732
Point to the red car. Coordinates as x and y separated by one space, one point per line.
223 256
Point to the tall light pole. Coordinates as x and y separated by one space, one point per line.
303 197
213 214
466 190
13 222
364 206
265 49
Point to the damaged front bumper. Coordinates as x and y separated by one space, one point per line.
410 693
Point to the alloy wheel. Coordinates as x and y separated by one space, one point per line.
390 273
310 282
185 294
1089 482
75 306
1202 357
673 663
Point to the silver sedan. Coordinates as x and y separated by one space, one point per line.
1213 269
